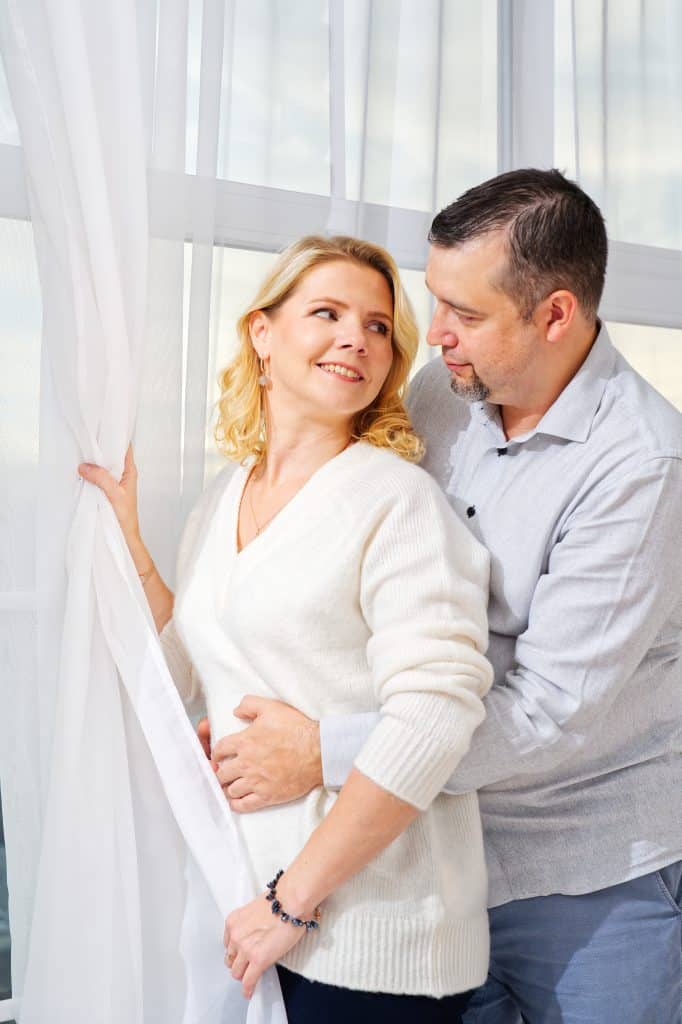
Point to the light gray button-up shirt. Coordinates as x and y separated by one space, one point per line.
579 762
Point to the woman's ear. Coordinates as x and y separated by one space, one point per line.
259 332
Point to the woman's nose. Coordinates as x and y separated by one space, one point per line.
352 339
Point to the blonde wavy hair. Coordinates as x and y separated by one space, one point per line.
241 428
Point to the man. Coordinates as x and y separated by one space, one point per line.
568 467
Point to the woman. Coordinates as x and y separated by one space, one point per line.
330 572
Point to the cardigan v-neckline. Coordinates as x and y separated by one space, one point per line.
285 512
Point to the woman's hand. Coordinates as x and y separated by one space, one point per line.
121 493
255 938
123 497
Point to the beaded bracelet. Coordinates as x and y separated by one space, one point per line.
277 908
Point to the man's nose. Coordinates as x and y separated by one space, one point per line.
438 336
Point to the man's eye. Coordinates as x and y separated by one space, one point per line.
466 319
325 313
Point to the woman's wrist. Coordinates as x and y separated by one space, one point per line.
289 906
295 897
147 574
138 552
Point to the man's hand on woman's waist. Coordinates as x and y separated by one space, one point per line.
274 760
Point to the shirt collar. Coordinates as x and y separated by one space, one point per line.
572 414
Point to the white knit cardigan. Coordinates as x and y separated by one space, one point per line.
364 593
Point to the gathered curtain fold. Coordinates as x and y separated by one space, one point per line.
125 840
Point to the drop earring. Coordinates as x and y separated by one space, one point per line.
264 378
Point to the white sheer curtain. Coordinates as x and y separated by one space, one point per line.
619 106
124 802
162 140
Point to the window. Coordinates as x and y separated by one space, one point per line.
20 317
9 132
656 353
385 103
618 112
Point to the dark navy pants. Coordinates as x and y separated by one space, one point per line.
310 1002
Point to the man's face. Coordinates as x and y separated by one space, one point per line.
491 352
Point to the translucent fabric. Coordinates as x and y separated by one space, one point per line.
128 858
618 105
377 100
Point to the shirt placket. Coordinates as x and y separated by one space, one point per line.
473 464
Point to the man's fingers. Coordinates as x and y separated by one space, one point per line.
228 772
250 706
226 747
246 804
238 789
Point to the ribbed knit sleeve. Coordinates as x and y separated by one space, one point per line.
424 582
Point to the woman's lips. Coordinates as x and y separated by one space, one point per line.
329 372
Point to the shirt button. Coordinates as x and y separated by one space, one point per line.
501 451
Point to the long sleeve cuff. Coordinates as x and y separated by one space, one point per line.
342 737
417 744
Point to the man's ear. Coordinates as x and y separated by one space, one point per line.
259 332
559 311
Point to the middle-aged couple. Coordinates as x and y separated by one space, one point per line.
338 591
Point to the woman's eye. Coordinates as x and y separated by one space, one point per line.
325 313
379 327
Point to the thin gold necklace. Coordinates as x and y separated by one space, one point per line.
259 528
247 490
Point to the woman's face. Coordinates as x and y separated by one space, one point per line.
329 345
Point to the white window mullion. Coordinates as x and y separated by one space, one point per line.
9 1009
530 88
643 285
642 282
13 191
525 84
337 101
504 85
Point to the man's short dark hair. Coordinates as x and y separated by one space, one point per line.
555 235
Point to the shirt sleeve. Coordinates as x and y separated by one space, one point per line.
611 585
423 593
341 740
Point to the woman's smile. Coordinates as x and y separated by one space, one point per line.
342 372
